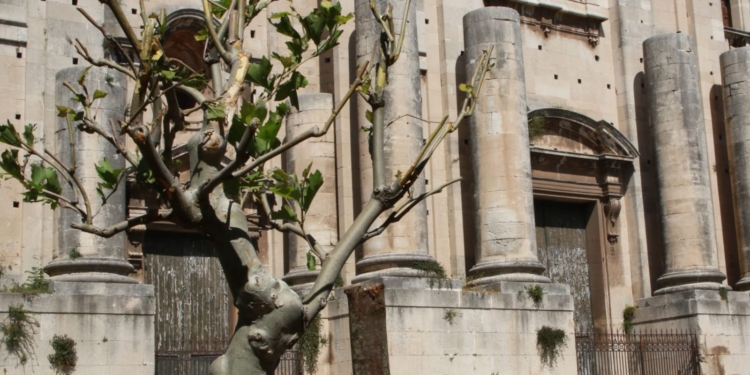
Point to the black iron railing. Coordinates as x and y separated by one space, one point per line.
638 353
198 362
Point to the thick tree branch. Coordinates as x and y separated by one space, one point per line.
212 33
123 225
114 6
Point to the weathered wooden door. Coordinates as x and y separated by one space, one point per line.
192 302
561 243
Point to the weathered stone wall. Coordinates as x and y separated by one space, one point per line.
722 325
112 325
490 332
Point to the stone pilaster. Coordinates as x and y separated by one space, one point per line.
320 222
503 195
395 251
677 122
102 259
735 74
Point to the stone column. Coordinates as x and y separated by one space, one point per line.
320 222
102 259
677 121
394 252
504 199
735 74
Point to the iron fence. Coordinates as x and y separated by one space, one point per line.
198 362
641 353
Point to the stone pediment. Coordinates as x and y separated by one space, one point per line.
563 131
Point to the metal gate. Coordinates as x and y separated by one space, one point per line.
649 353
189 363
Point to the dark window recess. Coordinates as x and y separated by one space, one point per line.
18 116
466 141
19 54
540 47
426 21
426 181
555 76
328 59
641 60
134 11
75 2
16 204
252 33
596 57
726 12
75 61
579 81
609 86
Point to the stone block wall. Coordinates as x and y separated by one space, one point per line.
450 330
112 325
721 323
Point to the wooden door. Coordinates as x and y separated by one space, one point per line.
562 248
192 302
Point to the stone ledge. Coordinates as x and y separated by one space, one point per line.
87 298
691 303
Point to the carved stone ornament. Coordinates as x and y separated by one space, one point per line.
612 208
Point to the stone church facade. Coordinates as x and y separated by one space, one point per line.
605 162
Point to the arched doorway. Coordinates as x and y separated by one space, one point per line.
579 171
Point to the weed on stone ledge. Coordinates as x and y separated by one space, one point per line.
18 331
64 356
550 343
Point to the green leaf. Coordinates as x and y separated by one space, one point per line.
252 182
9 135
201 35
306 172
465 88
253 10
108 176
368 115
63 111
314 25
286 213
311 188
289 88
98 94
258 73
286 61
9 163
28 134
266 137
284 26
310 261
82 77
215 111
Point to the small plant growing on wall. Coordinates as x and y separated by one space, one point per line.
434 272
35 284
536 128
628 315
74 254
535 293
309 345
723 294
450 316
18 331
64 357
550 343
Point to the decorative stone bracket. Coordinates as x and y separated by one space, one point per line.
562 18
612 208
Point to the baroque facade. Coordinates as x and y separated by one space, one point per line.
606 160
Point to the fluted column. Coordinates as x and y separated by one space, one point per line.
501 160
102 259
677 122
394 252
320 222
735 74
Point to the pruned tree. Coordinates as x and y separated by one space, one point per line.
272 317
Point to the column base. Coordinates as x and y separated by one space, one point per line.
390 265
105 270
680 281
518 271
743 284
301 281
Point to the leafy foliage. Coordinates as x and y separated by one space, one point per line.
310 344
536 128
550 343
64 355
628 315
35 284
110 177
18 331
433 271
450 316
536 294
